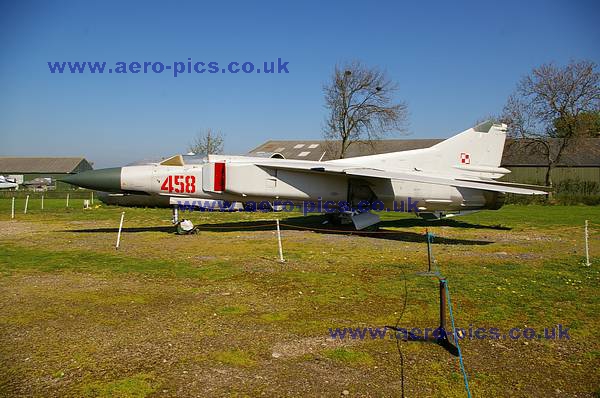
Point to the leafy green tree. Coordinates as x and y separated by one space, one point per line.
552 107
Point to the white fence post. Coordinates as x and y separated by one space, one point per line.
92 197
26 204
12 212
42 201
587 245
281 260
67 200
120 227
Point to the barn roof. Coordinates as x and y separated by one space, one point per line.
585 152
24 165
313 150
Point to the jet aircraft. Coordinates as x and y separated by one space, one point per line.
8 183
456 176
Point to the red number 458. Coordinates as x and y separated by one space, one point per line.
179 184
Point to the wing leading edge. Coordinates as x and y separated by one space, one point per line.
486 185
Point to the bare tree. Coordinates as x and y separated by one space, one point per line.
207 142
554 106
361 106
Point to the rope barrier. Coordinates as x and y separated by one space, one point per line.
450 312
429 236
560 228
460 357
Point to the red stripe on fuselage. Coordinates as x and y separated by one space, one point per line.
219 177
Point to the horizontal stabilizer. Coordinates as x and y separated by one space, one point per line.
482 169
495 186
512 184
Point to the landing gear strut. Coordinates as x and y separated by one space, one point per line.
175 218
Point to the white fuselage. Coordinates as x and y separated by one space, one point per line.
244 181
6 183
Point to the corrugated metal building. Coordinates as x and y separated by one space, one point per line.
324 150
527 160
43 167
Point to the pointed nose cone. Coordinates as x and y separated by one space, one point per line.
108 180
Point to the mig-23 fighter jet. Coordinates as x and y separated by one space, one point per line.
454 177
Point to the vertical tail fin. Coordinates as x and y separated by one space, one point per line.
475 152
476 149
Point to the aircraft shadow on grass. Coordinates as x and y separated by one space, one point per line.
447 222
169 229
315 224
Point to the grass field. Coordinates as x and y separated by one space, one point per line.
216 314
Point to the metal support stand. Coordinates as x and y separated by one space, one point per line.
439 335
442 337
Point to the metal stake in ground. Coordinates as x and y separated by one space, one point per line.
428 250
120 227
26 204
281 260
439 335
587 245
429 238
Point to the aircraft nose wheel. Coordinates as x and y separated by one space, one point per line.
182 227
186 227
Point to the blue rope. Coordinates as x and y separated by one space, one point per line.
430 237
437 272
462 365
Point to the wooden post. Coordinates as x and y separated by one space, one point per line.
12 212
42 201
67 200
26 204
92 197
120 227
